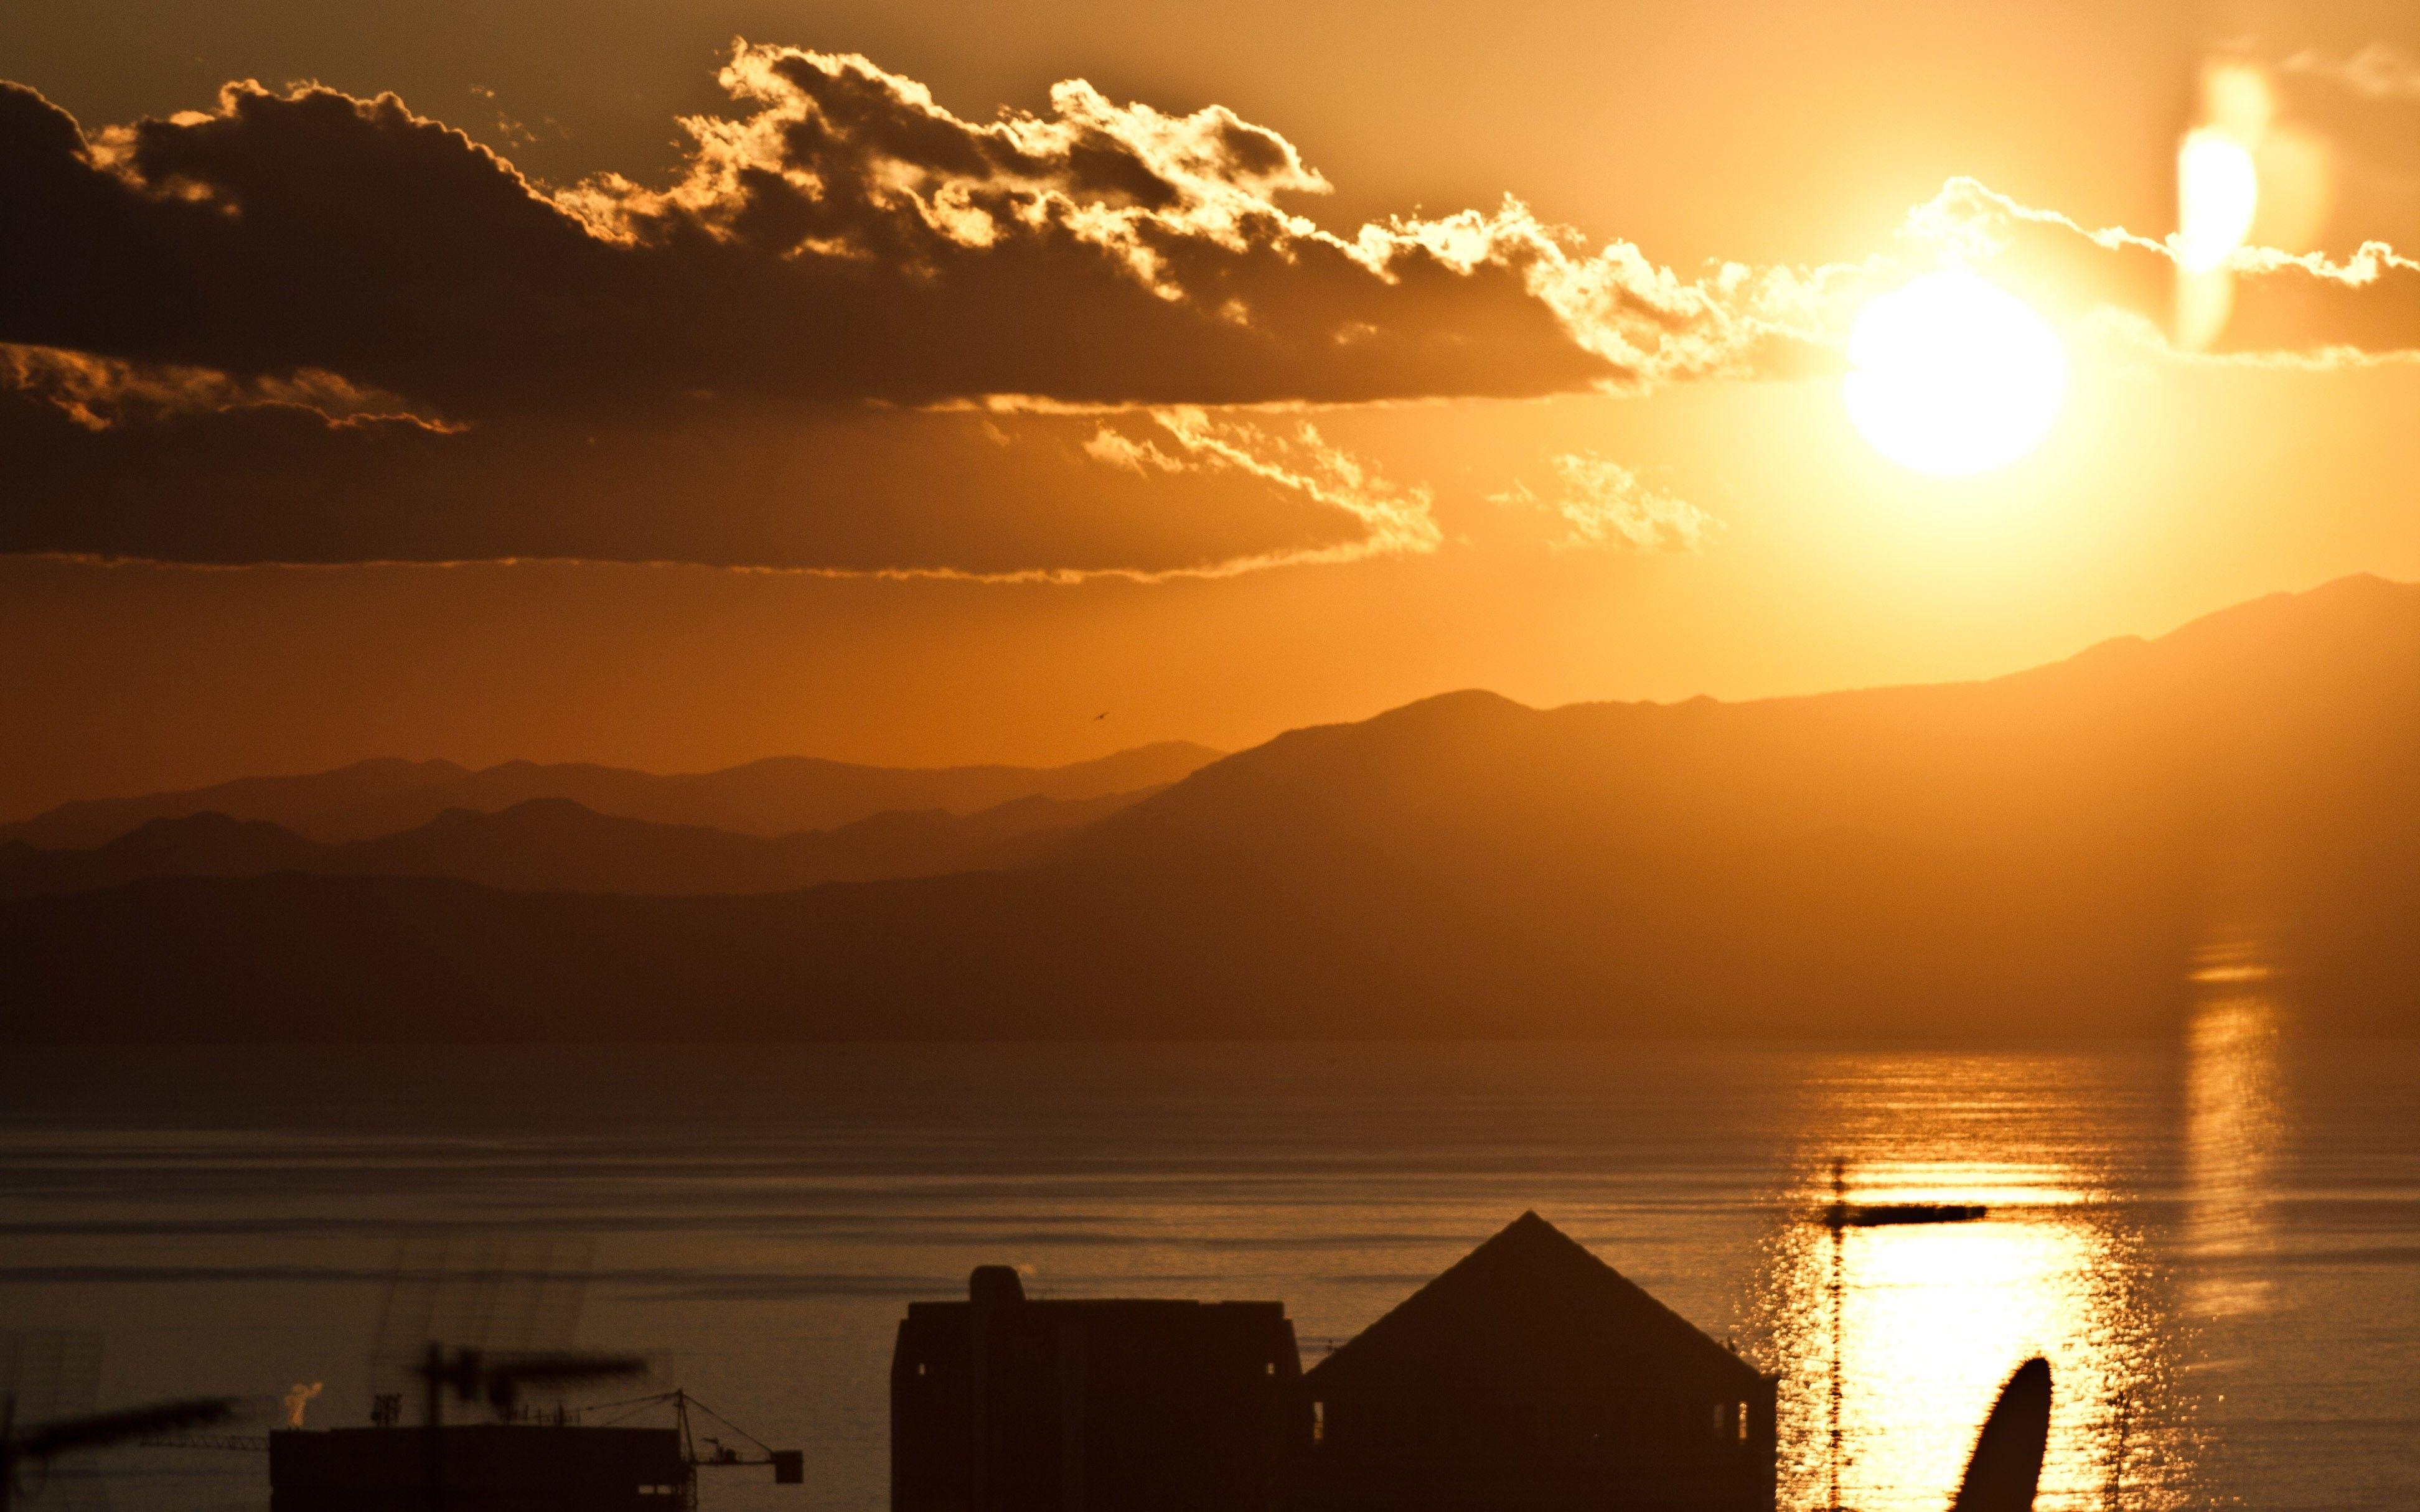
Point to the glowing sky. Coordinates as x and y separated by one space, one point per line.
917 402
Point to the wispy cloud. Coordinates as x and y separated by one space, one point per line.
1605 505
99 394
1395 520
2141 345
2377 71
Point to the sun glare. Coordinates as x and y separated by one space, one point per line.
1952 375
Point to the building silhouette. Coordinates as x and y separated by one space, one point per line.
523 1462
1002 1403
1529 1375
480 1467
1533 1375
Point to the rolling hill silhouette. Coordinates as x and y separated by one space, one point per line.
782 795
2047 855
554 844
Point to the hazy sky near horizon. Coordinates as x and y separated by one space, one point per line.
914 404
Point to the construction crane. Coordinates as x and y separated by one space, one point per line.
43 1442
335 1467
502 1378
788 1465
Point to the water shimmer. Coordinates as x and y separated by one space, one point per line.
2217 1246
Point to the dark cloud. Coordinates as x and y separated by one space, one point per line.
846 239
308 327
842 490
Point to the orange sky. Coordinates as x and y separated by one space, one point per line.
1781 140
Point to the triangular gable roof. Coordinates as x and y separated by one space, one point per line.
1532 1308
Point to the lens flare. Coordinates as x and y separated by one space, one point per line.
1952 375
2218 190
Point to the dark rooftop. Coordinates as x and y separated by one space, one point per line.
1533 1307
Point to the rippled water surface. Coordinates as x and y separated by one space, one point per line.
2217 1244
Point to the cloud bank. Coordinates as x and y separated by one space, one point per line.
307 325
845 240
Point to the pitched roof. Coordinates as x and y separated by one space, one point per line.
1533 1310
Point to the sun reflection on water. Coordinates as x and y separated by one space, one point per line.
2231 1129
1934 1318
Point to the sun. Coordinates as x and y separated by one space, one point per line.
1951 374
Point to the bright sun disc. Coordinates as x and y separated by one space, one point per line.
1951 374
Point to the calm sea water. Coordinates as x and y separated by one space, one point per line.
2217 1244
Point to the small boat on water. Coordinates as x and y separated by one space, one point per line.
1892 1215
1842 1214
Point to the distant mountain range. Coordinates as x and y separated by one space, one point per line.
783 796
2078 851
554 844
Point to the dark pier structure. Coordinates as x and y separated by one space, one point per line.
1002 1403
1530 1375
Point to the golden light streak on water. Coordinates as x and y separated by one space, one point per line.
2232 1125
1934 1318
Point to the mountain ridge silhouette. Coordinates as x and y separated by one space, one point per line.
2052 856
557 844
776 795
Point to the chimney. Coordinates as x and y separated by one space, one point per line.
990 1291
994 1285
